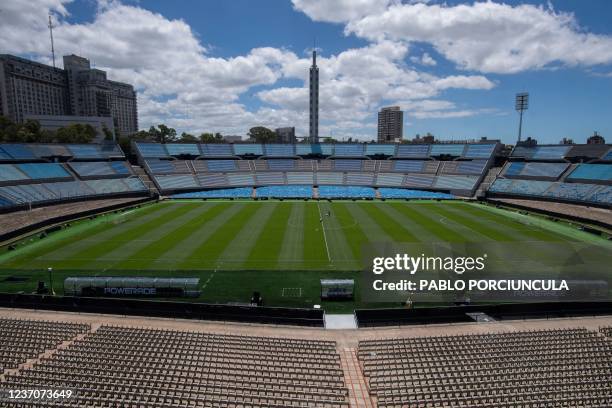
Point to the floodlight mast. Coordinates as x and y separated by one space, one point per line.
522 104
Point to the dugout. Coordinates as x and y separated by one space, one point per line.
110 286
337 289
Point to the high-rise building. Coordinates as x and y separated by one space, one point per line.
390 124
314 100
285 135
30 88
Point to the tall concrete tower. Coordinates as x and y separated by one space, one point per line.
314 100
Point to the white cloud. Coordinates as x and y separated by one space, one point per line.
181 83
483 36
437 109
339 11
424 59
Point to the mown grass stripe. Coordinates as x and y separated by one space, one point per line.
43 251
187 255
142 253
267 247
397 231
86 258
422 215
235 255
291 253
315 254
336 226
352 234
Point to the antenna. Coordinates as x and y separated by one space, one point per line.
51 35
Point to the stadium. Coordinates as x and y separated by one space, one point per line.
232 275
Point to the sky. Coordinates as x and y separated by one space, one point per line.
454 67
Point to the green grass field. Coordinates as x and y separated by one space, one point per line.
236 247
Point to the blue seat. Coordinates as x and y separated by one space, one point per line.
389 179
280 164
279 150
411 151
41 171
479 151
455 182
348 150
175 182
347 165
248 148
346 192
550 152
221 165
380 149
18 151
85 151
240 192
594 172
407 194
94 169
217 150
408 166
447 149
293 191
9 172
152 150
178 149
270 178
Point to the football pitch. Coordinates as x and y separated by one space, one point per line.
280 248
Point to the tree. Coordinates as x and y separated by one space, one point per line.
188 138
108 135
262 134
211 138
167 134
75 133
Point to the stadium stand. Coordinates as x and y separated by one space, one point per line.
248 149
217 150
151 150
389 179
25 339
592 172
219 165
330 178
447 149
279 150
300 178
265 178
544 172
413 151
534 169
559 367
348 150
479 151
409 160
44 171
10 173
347 165
380 149
39 183
280 164
100 169
173 182
294 191
411 194
130 364
346 192
180 149
18 151
240 192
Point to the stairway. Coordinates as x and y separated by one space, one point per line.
144 177
487 181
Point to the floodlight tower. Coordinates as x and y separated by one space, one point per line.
51 35
522 103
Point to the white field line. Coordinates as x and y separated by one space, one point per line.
324 235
